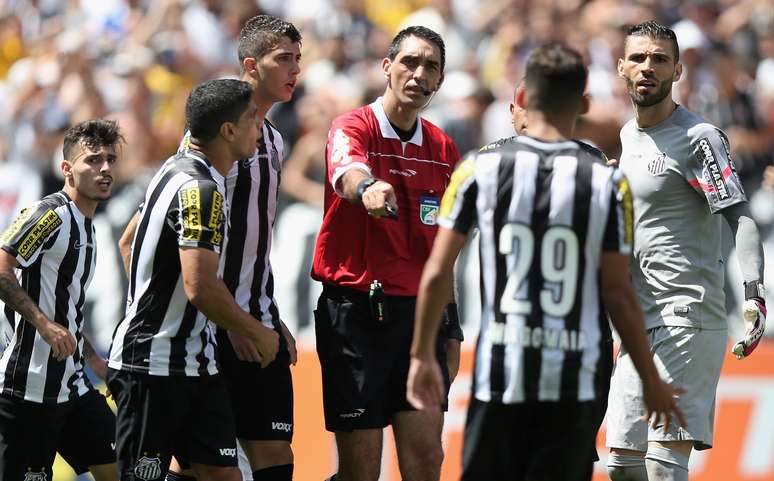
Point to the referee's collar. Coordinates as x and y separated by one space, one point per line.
387 131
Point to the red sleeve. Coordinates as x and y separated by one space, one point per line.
347 147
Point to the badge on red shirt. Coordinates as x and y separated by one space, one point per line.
428 209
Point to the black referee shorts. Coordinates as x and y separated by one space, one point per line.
535 441
261 398
161 416
365 362
31 433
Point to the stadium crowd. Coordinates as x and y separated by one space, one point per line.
135 61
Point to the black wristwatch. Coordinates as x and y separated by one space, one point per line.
363 185
754 290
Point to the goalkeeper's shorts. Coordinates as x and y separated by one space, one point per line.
687 357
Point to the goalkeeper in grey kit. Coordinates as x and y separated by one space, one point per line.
681 174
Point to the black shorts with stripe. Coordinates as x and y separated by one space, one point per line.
82 430
261 398
365 362
161 416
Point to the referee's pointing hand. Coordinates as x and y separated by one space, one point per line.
377 197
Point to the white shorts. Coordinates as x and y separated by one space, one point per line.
687 357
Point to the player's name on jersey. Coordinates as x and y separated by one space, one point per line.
536 337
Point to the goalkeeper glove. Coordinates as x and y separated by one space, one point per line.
754 314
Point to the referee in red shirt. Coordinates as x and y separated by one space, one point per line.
387 169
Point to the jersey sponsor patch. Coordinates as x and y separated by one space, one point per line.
35 237
216 217
428 209
340 148
191 213
18 223
712 171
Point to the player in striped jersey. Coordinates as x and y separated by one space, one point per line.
269 54
46 263
520 125
556 231
681 175
162 360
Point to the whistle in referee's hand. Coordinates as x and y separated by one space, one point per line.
392 211
376 301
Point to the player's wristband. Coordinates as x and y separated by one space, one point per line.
754 290
363 185
452 322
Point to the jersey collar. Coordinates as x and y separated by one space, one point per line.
387 131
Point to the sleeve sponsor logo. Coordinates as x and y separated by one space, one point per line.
191 213
712 171
340 148
216 218
18 223
47 224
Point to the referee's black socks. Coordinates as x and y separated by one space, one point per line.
282 472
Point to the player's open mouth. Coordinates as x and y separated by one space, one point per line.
291 85
105 182
646 83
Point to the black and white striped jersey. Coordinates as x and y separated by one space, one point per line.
54 245
545 212
252 188
162 333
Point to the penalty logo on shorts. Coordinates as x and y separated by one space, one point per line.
148 468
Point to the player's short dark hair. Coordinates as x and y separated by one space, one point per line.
213 103
92 133
654 30
421 32
263 33
555 78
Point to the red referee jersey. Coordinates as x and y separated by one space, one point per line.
353 249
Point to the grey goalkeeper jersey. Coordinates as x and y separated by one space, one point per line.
681 173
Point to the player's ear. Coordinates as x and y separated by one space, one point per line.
248 64
67 169
620 68
386 67
678 72
585 104
228 131
521 99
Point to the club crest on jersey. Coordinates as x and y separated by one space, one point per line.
657 166
35 476
428 209
148 468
